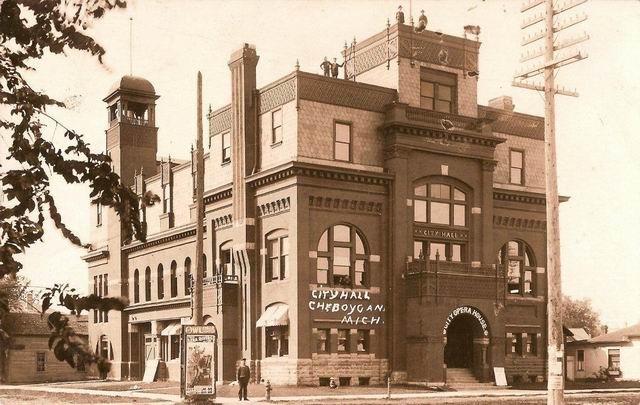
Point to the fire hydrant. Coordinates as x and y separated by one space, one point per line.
267 389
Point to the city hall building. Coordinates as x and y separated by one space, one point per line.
379 223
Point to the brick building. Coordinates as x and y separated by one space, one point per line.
379 223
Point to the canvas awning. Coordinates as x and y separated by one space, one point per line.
172 329
275 315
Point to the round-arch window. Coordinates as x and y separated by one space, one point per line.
437 203
342 258
517 257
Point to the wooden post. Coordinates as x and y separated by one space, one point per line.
555 352
197 288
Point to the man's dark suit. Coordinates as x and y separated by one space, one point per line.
243 374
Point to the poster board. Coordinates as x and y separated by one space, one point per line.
198 361
150 370
500 376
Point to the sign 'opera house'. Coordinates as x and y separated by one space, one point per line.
388 195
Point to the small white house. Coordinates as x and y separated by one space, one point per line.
618 352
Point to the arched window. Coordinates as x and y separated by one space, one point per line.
187 276
160 282
441 204
342 258
136 286
518 259
147 284
174 279
226 259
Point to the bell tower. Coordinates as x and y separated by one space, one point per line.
132 135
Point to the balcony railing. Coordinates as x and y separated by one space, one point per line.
436 278
135 121
221 278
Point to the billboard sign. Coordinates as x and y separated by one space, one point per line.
199 361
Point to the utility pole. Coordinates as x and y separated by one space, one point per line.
552 60
197 284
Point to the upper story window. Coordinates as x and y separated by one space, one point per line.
226 147
166 198
342 258
226 260
147 284
277 258
187 276
518 258
160 282
342 141
437 90
276 126
136 286
516 166
98 214
174 279
437 203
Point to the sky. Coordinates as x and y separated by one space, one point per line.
598 133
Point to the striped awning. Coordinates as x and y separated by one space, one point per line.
275 315
172 329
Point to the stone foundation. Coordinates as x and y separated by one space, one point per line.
352 367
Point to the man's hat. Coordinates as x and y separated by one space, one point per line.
244 359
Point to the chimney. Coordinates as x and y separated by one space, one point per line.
502 103
242 64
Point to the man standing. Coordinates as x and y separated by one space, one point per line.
326 67
334 68
243 374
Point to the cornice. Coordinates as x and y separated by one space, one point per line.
514 196
221 193
527 224
330 203
173 303
459 136
96 255
162 238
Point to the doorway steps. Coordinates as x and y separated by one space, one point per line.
462 379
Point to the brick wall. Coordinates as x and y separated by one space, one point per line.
533 162
316 132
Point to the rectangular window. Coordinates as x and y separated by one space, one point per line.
514 343
439 213
437 90
272 342
363 340
41 362
175 347
105 286
323 341
580 360
278 258
343 340
437 250
614 359
166 198
532 344
98 214
226 147
516 166
276 126
419 211
323 270
342 142
514 272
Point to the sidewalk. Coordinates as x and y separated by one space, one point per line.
442 395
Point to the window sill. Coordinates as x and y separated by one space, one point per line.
227 163
277 281
276 144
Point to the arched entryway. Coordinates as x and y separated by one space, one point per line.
466 333
458 352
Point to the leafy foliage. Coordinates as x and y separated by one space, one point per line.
66 345
29 30
578 313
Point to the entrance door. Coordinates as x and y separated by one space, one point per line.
458 352
150 347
